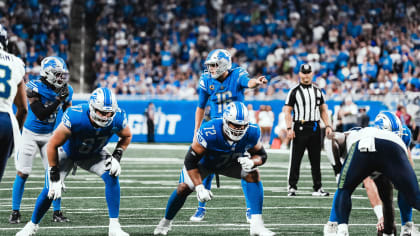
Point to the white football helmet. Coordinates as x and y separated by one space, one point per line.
387 120
3 38
236 114
220 58
102 101
54 70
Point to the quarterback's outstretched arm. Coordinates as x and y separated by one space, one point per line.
192 158
59 137
20 102
255 83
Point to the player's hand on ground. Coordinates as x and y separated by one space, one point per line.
380 224
246 163
113 166
55 184
203 194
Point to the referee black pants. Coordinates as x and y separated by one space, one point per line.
307 136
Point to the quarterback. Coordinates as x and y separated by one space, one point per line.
220 146
80 140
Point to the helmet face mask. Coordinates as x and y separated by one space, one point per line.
387 120
102 106
54 70
235 121
218 62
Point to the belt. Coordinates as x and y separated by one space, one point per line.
301 122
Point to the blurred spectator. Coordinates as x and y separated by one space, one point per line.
348 113
252 115
150 121
265 121
363 118
281 131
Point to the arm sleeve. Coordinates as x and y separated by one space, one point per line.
43 112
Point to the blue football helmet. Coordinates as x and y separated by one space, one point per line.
3 38
406 136
102 106
221 59
387 120
235 120
54 70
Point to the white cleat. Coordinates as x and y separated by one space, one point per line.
257 227
115 229
29 229
409 229
343 230
330 229
163 227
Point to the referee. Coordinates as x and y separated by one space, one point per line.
308 105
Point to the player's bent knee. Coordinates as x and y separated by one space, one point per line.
22 175
183 189
252 177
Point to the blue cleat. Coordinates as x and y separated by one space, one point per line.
248 215
199 214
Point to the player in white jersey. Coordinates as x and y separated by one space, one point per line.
12 91
47 97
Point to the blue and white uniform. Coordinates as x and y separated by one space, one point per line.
36 133
221 154
219 94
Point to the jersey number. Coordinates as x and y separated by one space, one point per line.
5 75
222 99
89 143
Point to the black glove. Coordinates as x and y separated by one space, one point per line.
54 174
62 93
117 154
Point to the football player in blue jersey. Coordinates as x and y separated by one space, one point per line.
219 85
380 149
47 96
12 71
220 146
80 140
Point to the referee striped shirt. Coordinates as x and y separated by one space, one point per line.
305 100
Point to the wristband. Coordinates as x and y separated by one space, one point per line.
289 128
378 211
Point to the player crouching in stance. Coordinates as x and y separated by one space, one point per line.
219 146
80 140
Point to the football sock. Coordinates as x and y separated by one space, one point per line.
207 185
333 216
112 194
406 211
244 184
175 203
18 189
57 204
42 205
342 205
256 196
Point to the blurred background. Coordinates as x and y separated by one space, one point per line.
365 55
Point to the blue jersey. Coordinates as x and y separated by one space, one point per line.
219 94
219 152
47 96
86 139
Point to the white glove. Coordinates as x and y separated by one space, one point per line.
246 163
55 187
203 195
113 166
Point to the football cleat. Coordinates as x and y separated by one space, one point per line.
163 227
248 215
115 229
343 230
29 229
291 192
409 229
198 215
330 228
320 193
257 227
59 217
14 217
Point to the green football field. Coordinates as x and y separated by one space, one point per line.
150 174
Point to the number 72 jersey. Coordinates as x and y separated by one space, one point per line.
219 94
87 140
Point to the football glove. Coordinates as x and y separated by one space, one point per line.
246 163
203 194
55 184
113 166
63 92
